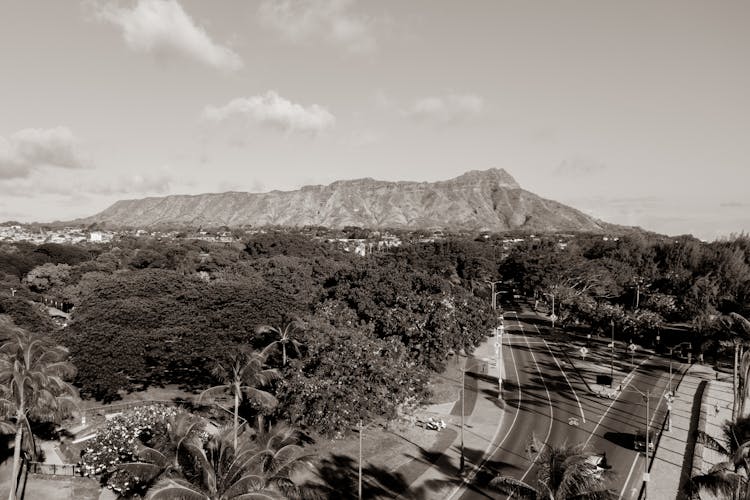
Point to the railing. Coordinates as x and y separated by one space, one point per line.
54 469
129 405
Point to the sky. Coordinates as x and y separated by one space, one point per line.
636 112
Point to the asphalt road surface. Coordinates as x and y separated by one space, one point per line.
545 397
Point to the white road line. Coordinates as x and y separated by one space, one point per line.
626 381
551 408
580 406
488 455
627 480
650 425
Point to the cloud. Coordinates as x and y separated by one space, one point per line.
150 183
578 167
30 149
274 111
331 21
92 183
162 27
446 109
733 204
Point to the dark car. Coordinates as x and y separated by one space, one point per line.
639 441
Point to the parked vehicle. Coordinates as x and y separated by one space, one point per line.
639 441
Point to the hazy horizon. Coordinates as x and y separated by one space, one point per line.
635 113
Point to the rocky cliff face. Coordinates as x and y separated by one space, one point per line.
478 200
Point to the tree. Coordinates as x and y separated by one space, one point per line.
241 378
729 478
347 376
32 386
277 456
164 457
220 471
284 338
565 472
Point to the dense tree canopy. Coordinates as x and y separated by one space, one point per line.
159 310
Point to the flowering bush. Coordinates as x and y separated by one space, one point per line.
117 442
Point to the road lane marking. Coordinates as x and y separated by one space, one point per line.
475 470
580 406
626 381
551 407
627 480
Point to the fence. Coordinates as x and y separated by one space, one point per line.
129 405
54 469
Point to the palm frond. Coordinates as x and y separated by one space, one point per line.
711 442
169 489
721 481
510 485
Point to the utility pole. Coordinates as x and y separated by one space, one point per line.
612 356
359 487
670 369
494 295
499 356
463 398
552 316
645 464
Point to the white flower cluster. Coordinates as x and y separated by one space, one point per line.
117 442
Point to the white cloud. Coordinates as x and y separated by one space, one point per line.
446 109
275 111
331 21
91 182
30 149
162 27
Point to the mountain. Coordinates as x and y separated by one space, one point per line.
478 200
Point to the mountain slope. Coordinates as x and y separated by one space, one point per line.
486 200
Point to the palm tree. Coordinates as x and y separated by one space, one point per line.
242 378
741 327
721 481
738 329
284 335
32 386
564 472
164 458
726 479
277 456
221 472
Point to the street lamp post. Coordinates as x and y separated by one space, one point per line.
645 464
647 397
463 398
499 356
494 295
612 356
553 317
670 369
359 486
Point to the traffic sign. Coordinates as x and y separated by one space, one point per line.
553 317
584 351
632 347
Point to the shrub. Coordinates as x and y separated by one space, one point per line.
117 442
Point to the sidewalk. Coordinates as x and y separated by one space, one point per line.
673 462
480 425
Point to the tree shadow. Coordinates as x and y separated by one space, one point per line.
340 480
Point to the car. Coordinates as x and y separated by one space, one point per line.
598 461
639 441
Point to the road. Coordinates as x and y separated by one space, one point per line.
545 397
